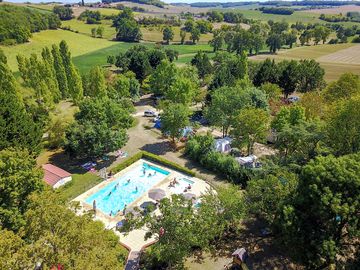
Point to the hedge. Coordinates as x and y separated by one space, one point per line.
153 158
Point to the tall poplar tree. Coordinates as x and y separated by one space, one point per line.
72 74
17 128
60 71
96 86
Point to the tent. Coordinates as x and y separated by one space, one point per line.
239 255
157 124
223 145
248 161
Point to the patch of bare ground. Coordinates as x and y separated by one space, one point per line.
335 10
218 25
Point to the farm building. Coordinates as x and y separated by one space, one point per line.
55 176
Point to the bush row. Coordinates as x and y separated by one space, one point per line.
201 149
154 158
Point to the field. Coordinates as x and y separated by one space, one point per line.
335 10
86 61
335 59
154 34
83 28
78 44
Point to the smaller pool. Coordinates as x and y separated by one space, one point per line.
181 185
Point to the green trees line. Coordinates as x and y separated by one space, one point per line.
18 23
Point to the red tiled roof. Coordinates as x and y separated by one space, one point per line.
53 174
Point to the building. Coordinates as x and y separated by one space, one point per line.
55 176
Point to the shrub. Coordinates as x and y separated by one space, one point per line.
153 158
200 149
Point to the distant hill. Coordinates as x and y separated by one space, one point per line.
156 3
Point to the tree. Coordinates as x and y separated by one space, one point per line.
274 41
19 177
290 38
195 35
218 40
311 76
182 90
163 77
57 239
272 91
288 116
343 126
174 118
60 71
266 196
128 30
92 140
64 13
182 36
93 32
72 74
168 34
289 78
17 128
227 102
202 62
3 58
96 86
321 222
250 126
268 72
346 86
100 128
100 31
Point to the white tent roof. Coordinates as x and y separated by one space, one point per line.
247 159
223 144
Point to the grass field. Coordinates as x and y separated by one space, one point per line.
83 28
154 34
78 44
324 54
86 61
78 185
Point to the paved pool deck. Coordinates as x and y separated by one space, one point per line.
135 241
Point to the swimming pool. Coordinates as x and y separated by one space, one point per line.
181 185
114 196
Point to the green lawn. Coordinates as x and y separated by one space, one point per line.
86 61
79 184
78 44
83 28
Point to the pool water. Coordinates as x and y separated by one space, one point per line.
181 185
120 193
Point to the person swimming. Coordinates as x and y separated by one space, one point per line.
109 193
128 181
110 213
136 189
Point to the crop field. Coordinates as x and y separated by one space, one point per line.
336 10
350 55
336 59
84 28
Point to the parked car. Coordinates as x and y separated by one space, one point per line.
293 99
149 113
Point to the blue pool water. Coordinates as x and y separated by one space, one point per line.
117 194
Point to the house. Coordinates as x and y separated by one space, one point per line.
55 176
223 145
